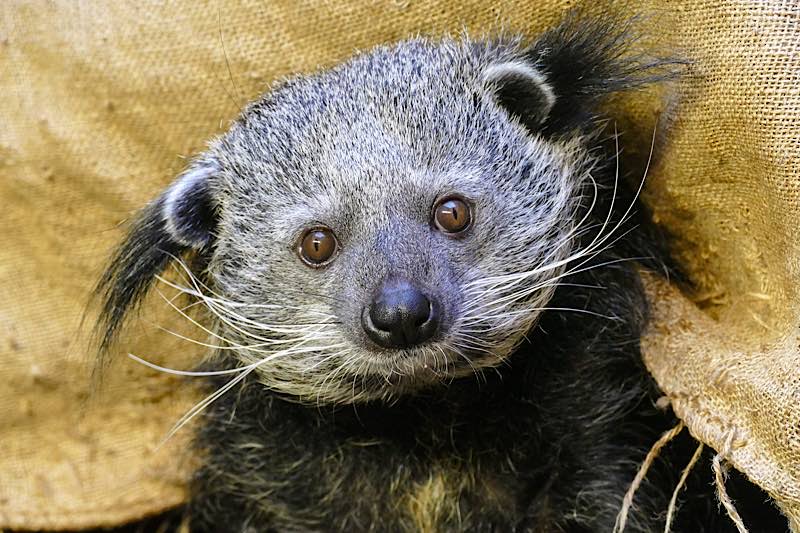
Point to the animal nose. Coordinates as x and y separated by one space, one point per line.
400 315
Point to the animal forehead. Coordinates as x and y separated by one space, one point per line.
383 154
408 192
409 68
416 87
386 129
417 100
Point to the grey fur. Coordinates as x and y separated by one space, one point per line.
366 149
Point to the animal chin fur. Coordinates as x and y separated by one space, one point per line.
529 409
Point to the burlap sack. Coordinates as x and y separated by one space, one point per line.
99 101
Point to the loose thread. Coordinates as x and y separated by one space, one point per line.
627 501
673 502
719 476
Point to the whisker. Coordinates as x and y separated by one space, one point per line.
194 411
191 373
237 345
601 238
281 330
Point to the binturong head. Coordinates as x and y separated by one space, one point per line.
393 223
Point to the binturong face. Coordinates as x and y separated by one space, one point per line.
379 228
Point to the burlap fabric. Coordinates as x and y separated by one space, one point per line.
99 101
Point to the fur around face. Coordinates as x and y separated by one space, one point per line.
366 149
530 409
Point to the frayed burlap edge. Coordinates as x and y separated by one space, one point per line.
677 346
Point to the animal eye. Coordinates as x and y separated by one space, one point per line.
317 247
452 215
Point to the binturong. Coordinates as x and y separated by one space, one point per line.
423 275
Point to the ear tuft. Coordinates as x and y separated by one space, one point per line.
182 219
588 57
521 90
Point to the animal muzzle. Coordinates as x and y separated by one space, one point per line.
400 315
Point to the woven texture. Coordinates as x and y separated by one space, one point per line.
100 101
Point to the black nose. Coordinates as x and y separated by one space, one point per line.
400 315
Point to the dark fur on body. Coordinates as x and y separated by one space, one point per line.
546 433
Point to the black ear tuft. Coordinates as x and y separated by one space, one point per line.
585 59
183 218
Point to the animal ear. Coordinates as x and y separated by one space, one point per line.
182 219
522 90
188 208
